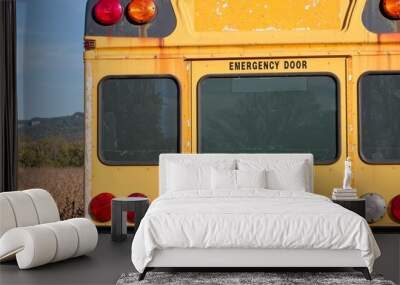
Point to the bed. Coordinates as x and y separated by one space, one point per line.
247 210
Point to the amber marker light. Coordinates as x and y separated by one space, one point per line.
141 11
390 9
108 12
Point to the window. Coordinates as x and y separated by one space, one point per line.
50 81
138 119
274 114
379 128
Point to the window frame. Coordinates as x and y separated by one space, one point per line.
284 74
359 110
99 116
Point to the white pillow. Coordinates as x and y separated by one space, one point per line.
228 179
181 177
189 174
251 178
293 179
281 174
223 179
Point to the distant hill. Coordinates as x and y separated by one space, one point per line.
70 128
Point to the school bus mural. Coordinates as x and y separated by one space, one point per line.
224 76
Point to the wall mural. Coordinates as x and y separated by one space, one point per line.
50 100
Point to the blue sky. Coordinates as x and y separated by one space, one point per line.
50 57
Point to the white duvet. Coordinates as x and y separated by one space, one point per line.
250 219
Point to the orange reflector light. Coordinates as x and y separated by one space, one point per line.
108 12
391 9
141 11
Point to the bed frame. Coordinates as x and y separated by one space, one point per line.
256 258
246 257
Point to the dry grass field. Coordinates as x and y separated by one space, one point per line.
66 185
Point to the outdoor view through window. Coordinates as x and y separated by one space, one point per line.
50 100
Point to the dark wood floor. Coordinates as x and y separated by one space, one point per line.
103 266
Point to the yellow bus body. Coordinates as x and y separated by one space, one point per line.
327 35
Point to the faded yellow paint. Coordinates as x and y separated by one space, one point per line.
194 50
124 180
339 24
382 179
268 15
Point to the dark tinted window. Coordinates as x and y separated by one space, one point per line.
380 118
138 119
288 114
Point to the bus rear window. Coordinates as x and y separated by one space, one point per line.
138 119
272 114
379 108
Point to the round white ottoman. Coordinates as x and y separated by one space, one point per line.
40 244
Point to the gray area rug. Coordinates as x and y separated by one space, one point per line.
228 278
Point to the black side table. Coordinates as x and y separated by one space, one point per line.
355 205
119 209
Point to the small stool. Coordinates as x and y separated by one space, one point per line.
119 209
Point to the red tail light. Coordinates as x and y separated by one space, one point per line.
395 207
100 207
131 214
108 12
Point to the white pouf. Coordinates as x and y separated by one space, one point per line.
33 246
46 207
87 235
23 209
67 240
7 220
31 232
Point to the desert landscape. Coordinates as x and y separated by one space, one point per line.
51 156
64 184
